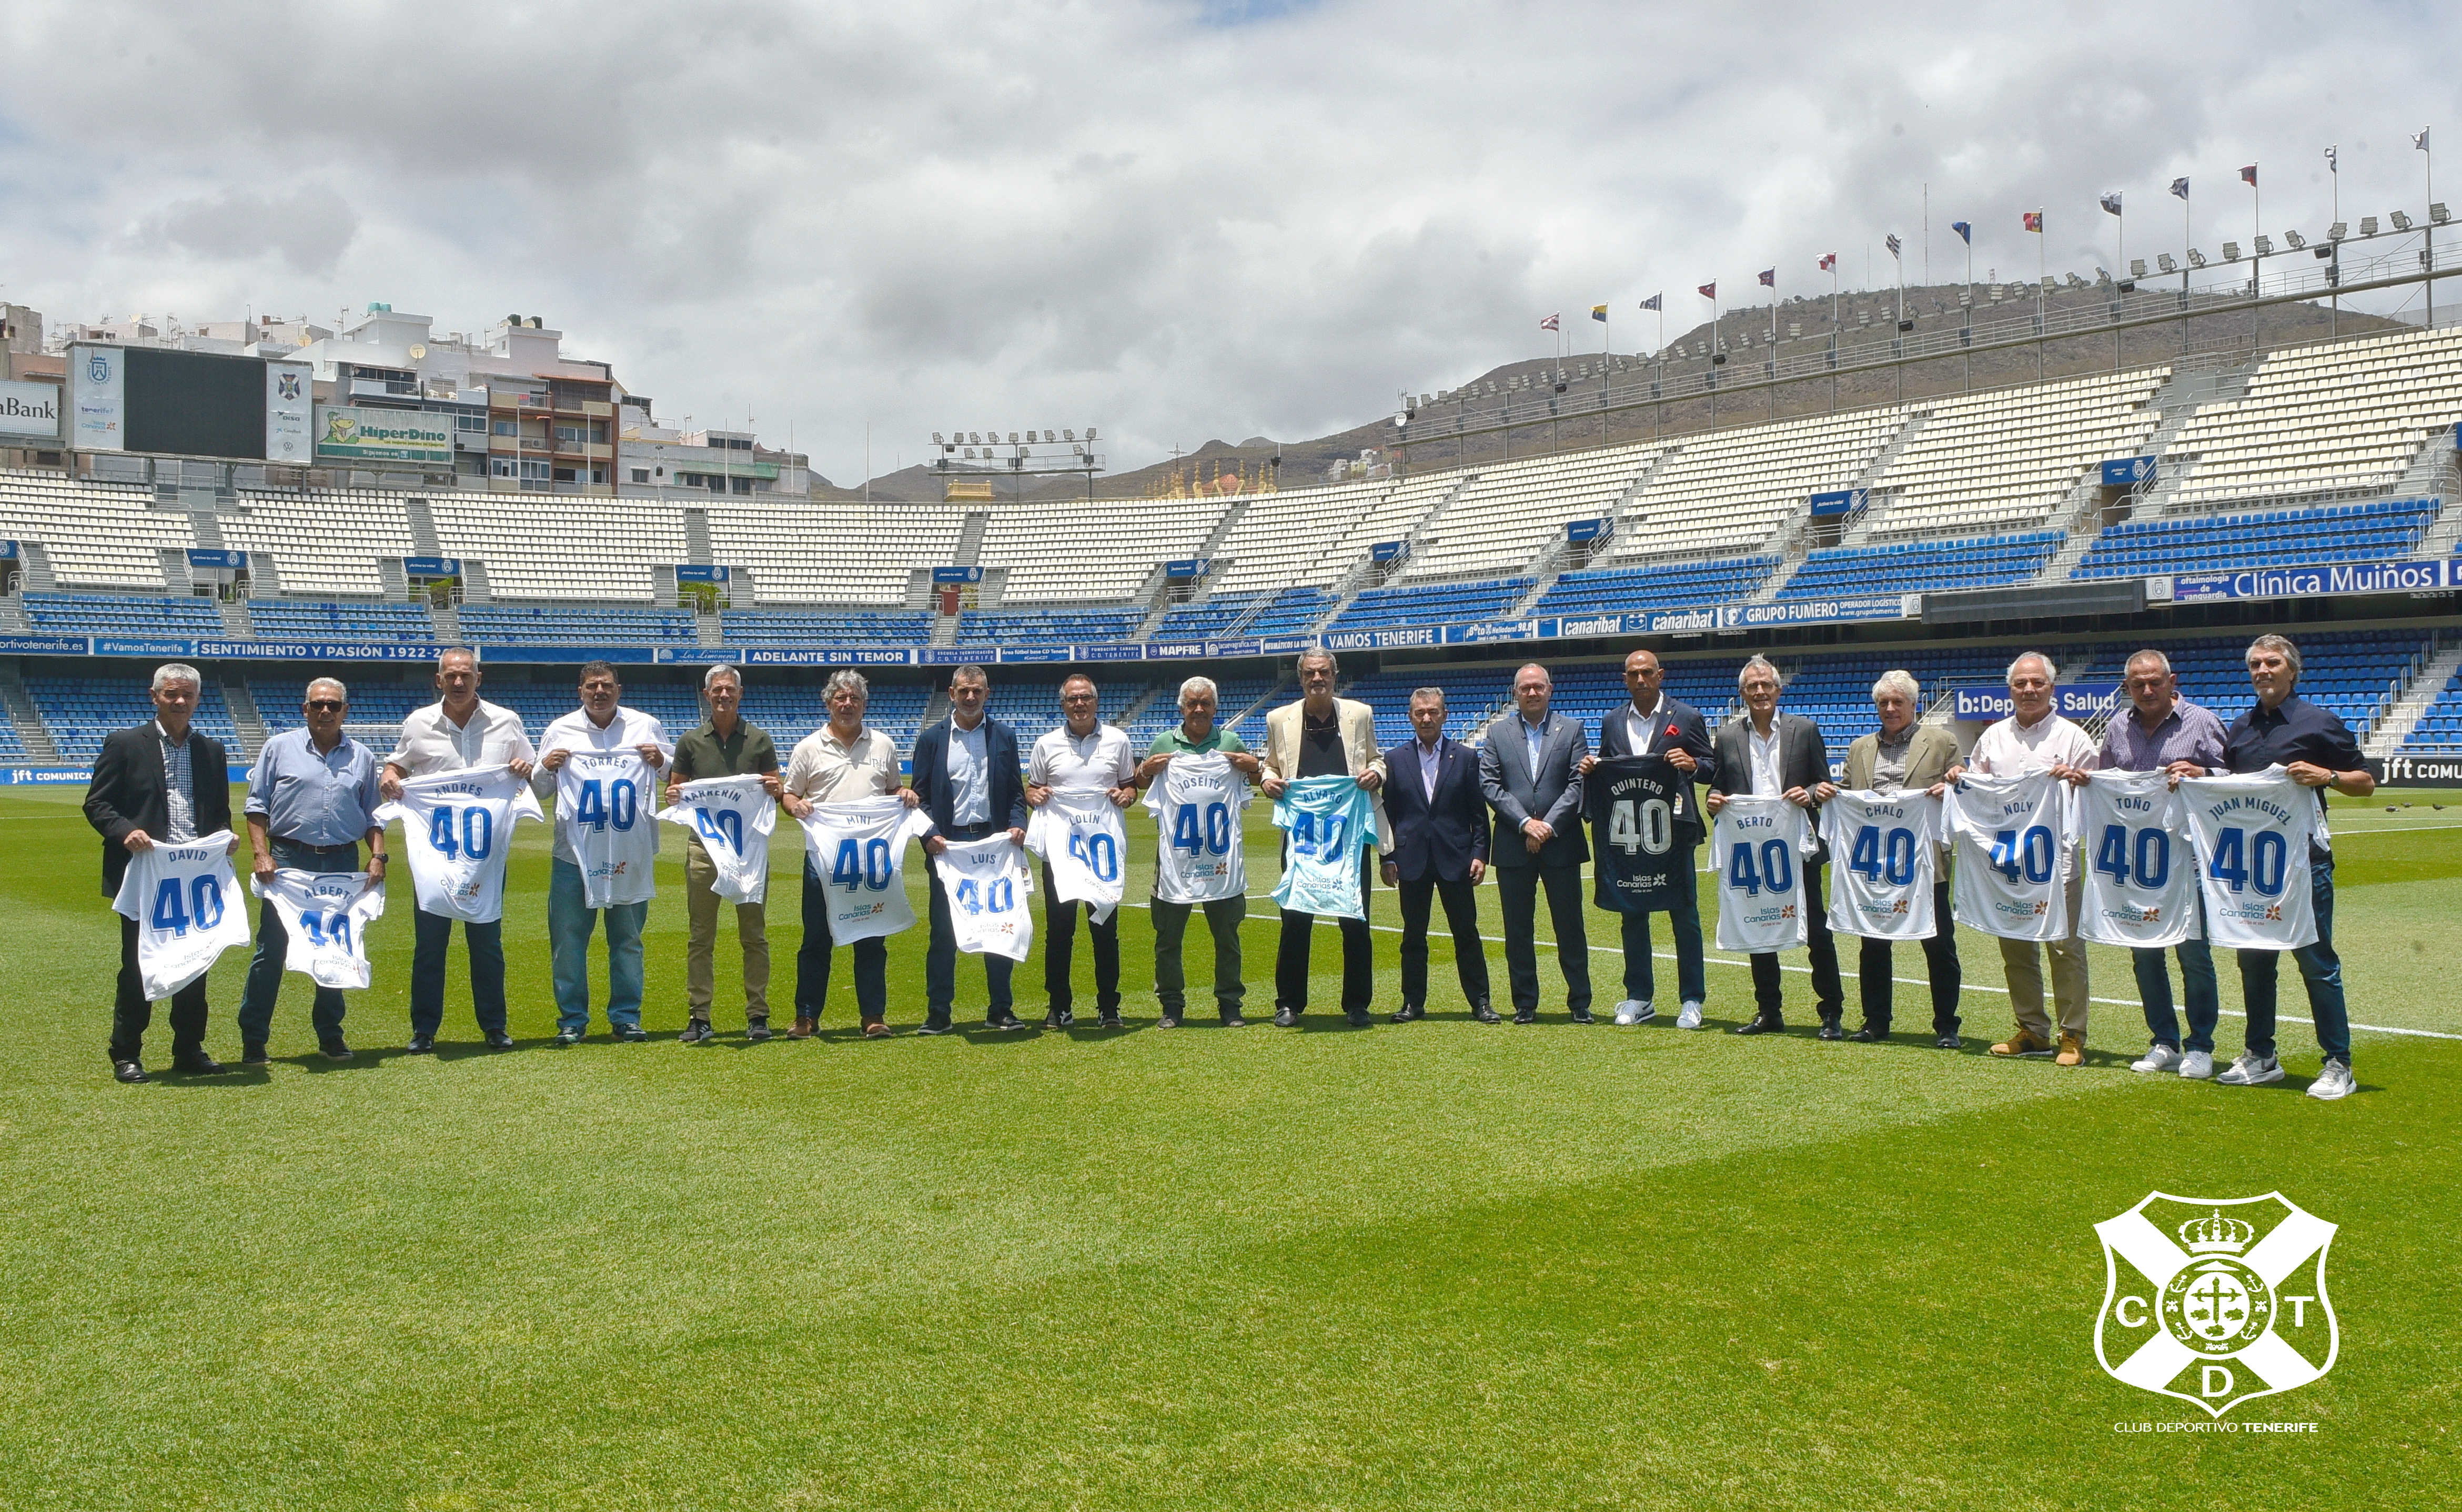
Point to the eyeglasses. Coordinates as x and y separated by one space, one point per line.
326 703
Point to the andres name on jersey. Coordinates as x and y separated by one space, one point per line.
467 831
1882 850
2249 863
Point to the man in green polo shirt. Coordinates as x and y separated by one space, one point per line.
1196 735
726 745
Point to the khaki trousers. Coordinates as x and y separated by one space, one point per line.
751 927
2068 975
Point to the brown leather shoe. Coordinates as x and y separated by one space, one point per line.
875 1029
805 1027
2072 1050
2022 1043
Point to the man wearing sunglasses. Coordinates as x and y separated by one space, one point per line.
311 801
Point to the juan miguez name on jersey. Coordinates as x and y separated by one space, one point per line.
2253 832
459 827
2014 837
734 818
1883 852
859 850
1197 803
606 800
2141 877
1329 821
1758 845
1632 803
187 903
987 881
326 915
1078 832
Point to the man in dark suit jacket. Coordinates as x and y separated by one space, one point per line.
1772 755
1530 774
1439 830
164 782
968 779
1655 724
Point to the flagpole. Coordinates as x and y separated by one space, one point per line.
2334 171
2256 258
2429 147
2042 269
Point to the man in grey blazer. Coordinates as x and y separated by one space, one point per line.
1529 771
1767 754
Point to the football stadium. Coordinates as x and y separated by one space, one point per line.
894 1194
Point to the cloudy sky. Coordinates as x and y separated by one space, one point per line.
1176 221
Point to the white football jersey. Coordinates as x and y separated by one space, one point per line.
1882 850
325 914
988 882
1078 832
2014 836
1197 803
2251 833
187 903
458 827
2141 873
606 815
1756 846
859 850
734 818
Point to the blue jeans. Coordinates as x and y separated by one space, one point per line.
2318 966
1684 916
2197 978
263 987
570 923
486 945
813 960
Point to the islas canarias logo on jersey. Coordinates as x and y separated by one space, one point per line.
2215 1301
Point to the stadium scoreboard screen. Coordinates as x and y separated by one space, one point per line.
195 405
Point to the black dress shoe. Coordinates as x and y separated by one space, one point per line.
1484 1014
128 1071
1360 1018
1949 1042
1829 1031
1870 1033
1234 1021
1286 1018
1408 1012
1762 1023
1110 1020
420 1045
253 1055
1168 1020
198 1064
1583 1016
334 1050
499 1040
1526 1015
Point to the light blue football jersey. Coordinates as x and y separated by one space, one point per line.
1328 821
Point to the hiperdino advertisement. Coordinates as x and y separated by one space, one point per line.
348 433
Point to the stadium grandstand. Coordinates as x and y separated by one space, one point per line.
2304 488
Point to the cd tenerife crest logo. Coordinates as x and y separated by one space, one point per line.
2215 1302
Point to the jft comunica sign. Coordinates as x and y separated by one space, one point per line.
347 433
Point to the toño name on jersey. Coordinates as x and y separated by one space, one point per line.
859 850
459 827
185 902
1756 846
1632 803
1883 852
987 881
1197 801
1078 833
2141 882
2253 832
733 818
326 915
1331 822
2014 837
606 802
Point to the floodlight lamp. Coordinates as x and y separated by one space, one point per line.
2197 258
2296 240
936 437
2401 220
2436 213
1012 437
1067 435
2163 261
2102 276
2137 267
1049 437
1090 433
2264 244
2336 232
2231 251
2368 226
2327 250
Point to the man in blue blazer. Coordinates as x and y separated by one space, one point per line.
968 780
1652 723
1439 830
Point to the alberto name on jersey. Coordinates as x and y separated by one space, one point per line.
326 915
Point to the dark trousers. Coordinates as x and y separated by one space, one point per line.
274 949
941 960
2319 967
2198 980
131 1014
812 959
1358 955
1223 916
1873 974
1517 890
1461 917
1828 993
486 946
1683 913
1060 950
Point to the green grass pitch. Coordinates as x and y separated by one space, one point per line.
1438 1265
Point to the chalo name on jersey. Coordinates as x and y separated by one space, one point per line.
1893 811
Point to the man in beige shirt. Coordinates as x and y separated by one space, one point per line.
840 762
1323 736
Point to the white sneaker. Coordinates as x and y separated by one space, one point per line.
1632 1011
2334 1081
2251 1070
2157 1058
2197 1065
1690 1017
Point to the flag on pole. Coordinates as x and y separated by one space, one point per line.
1598 311
1651 303
2111 202
2419 139
2034 220
2333 160
2180 187
1769 278
1828 262
1710 290
2248 175
1965 231
1893 244
1549 324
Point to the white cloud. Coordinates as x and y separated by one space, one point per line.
1174 221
